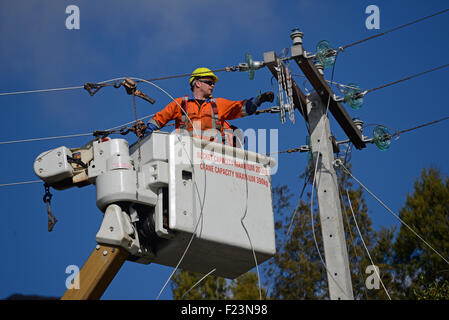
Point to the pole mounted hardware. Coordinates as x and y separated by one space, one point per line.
353 96
250 66
321 147
325 54
131 89
382 137
129 84
273 63
321 86
93 88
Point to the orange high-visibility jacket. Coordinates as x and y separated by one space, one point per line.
227 110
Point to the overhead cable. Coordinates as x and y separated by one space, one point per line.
70 136
96 86
307 149
422 125
330 274
366 248
353 243
405 79
19 183
46 138
366 91
342 48
102 83
339 163
196 283
40 90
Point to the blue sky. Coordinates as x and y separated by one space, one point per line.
158 38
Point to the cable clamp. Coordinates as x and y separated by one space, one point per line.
231 69
93 88
102 134
131 88
337 163
243 67
139 128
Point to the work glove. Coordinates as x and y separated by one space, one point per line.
152 125
252 104
265 97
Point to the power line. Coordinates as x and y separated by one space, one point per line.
116 84
339 163
422 125
69 136
366 91
46 138
394 29
205 276
306 148
405 79
103 84
19 183
388 136
40 90
364 245
227 69
353 243
268 110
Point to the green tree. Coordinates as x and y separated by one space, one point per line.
211 288
438 290
370 248
297 271
419 265
246 287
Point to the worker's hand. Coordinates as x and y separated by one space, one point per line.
266 97
252 104
151 126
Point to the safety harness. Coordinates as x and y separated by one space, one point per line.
214 111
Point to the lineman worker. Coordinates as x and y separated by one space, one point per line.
204 111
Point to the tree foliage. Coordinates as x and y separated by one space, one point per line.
426 211
211 288
185 286
299 265
409 268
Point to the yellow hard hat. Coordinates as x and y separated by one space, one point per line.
201 73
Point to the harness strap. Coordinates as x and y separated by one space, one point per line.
215 118
183 125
